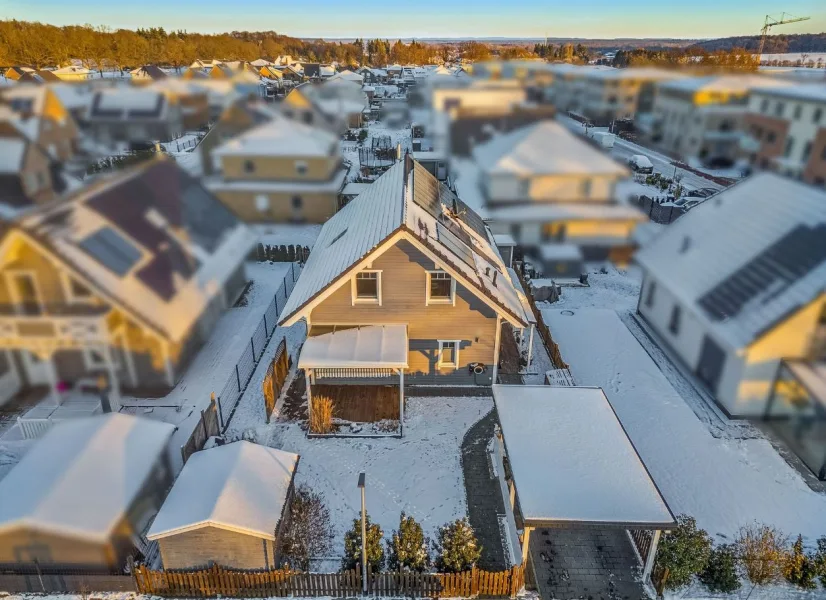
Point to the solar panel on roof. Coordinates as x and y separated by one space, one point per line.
455 245
426 191
469 217
111 250
771 272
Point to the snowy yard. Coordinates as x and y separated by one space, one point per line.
712 471
286 234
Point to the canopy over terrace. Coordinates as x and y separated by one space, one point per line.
372 351
573 464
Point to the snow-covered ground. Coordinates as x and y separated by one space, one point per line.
713 471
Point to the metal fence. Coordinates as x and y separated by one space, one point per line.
240 376
657 212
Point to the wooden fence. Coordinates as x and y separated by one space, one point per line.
541 328
207 427
219 581
275 377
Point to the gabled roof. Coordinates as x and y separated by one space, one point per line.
747 258
82 477
240 487
280 137
149 71
151 240
127 104
544 148
406 202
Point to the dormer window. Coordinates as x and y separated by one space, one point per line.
366 288
441 288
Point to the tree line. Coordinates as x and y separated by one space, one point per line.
736 59
775 44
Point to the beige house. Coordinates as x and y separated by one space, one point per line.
336 104
543 185
85 494
28 176
229 506
281 171
44 119
240 116
403 286
124 280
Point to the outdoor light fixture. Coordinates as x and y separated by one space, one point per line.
362 484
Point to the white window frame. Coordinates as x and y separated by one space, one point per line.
301 167
259 203
449 365
354 289
443 301
14 296
71 298
89 363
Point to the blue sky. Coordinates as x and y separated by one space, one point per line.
432 18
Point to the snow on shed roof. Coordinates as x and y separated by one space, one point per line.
83 475
572 461
544 148
240 487
379 346
703 257
280 137
392 204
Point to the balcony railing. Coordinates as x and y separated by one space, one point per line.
40 327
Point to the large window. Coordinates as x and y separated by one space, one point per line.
449 354
367 287
441 288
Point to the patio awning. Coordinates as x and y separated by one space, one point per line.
812 375
373 346
573 463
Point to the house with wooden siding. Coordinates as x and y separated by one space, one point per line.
229 506
404 285
84 495
239 117
280 171
123 280
47 121
336 105
15 73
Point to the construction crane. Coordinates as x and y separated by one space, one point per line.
785 19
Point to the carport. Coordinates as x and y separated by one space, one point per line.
576 479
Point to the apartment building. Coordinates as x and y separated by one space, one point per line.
280 171
785 131
564 90
702 117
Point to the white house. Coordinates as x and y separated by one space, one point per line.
739 283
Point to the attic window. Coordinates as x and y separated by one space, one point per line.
337 238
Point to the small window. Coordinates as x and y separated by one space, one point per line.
771 137
76 291
367 287
764 106
816 117
778 110
94 358
441 288
449 354
524 187
798 110
789 147
807 150
308 118
586 188
297 202
649 295
301 167
262 203
674 322
249 166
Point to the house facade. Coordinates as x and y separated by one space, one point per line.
28 176
44 119
404 286
785 131
133 115
107 284
736 286
281 171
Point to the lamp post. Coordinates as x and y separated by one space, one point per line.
362 482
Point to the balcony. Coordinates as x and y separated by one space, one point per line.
48 327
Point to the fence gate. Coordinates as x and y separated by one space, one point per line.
275 377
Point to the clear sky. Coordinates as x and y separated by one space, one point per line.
432 18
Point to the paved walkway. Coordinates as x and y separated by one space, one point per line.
598 564
484 498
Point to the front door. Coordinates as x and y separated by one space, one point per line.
710 367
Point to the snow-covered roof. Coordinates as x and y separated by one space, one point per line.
572 461
127 103
806 93
504 239
280 137
560 252
544 148
387 207
376 346
766 228
633 73
240 487
354 189
554 211
723 83
347 75
83 475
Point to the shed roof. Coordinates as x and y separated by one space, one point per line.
83 475
376 346
572 461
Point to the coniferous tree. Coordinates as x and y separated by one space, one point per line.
456 547
352 546
407 549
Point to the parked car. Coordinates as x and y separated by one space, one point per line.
705 192
641 164
687 202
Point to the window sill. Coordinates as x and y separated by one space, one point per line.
366 301
442 301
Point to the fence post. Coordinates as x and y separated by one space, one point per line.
218 404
